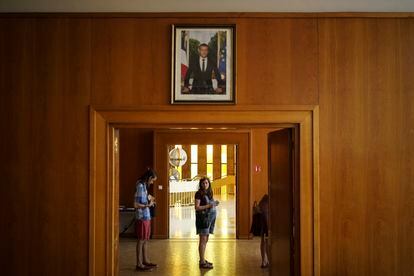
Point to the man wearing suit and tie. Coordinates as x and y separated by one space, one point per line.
204 74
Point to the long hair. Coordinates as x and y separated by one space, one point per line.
149 173
264 202
209 191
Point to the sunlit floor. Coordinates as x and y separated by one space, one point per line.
182 220
180 257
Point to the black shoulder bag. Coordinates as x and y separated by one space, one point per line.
202 219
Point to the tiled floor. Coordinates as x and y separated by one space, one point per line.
180 257
182 220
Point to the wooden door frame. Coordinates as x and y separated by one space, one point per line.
105 120
237 137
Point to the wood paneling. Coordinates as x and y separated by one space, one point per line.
367 153
277 61
230 159
132 60
260 158
136 154
216 161
186 168
359 71
45 93
202 160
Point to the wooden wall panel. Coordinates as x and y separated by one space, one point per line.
16 167
230 159
45 82
136 154
358 70
186 168
276 60
260 157
216 161
202 160
366 159
131 62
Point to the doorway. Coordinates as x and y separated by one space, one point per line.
234 221
187 165
194 158
103 246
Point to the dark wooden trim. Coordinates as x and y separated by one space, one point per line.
197 15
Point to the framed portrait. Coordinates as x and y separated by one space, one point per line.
203 67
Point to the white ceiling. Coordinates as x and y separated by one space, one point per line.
206 5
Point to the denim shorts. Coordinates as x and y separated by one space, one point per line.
212 224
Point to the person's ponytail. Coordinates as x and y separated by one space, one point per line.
149 173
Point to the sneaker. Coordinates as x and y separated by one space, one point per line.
206 265
150 264
143 268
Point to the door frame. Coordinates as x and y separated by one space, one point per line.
239 137
104 120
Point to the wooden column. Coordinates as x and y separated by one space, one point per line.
230 160
216 161
202 160
186 170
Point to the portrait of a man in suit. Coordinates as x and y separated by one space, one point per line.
203 65
202 76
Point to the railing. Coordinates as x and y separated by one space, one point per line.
182 192
182 199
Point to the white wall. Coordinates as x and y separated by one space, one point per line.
206 5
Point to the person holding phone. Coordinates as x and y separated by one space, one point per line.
142 204
206 214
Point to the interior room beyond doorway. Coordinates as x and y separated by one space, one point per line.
188 164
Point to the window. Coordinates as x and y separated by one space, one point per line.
210 161
194 161
223 161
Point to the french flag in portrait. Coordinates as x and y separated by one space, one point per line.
184 54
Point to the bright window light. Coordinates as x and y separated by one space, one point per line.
209 153
194 170
194 153
223 170
223 154
210 171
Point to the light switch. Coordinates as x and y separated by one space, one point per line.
159 187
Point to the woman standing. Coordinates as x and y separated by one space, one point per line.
143 219
264 233
205 207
